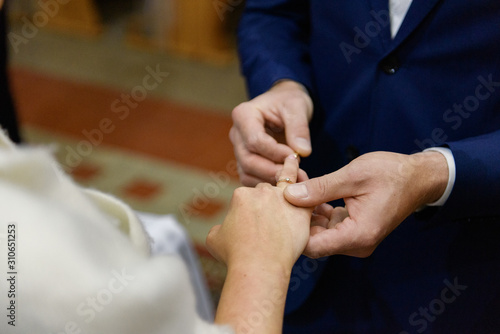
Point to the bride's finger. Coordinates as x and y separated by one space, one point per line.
289 172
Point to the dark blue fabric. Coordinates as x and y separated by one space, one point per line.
444 91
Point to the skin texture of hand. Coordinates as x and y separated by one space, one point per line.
269 128
380 190
260 240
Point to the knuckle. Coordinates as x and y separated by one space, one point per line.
211 236
239 193
358 173
253 142
232 135
247 163
239 112
355 171
303 100
262 186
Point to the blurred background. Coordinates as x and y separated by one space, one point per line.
136 96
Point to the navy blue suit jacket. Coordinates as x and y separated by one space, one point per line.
437 83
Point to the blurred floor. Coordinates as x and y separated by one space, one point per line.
160 143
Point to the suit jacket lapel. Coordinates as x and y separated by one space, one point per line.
417 12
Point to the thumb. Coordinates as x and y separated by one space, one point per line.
296 117
297 133
319 190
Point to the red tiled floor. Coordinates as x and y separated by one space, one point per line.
203 208
85 172
142 189
160 128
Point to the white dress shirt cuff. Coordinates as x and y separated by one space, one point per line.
451 174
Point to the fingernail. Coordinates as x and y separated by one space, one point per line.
294 156
303 144
297 190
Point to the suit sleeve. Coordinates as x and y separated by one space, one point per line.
476 192
273 43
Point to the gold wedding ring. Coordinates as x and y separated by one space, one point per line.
287 180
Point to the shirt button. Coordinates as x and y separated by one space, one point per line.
390 65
